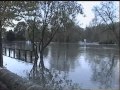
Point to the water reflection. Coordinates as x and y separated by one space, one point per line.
73 66
63 56
103 71
103 64
52 79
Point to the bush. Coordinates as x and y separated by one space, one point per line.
10 36
107 42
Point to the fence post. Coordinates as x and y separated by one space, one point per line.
9 51
19 54
31 56
14 53
5 51
25 55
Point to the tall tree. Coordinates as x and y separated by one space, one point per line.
53 15
106 13
1 58
37 32
10 10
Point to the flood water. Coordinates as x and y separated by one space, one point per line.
71 66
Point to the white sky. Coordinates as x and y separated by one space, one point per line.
87 5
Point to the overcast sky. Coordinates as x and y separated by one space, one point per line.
87 5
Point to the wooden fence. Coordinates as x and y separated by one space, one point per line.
25 55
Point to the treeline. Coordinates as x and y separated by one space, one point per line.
101 34
22 32
71 33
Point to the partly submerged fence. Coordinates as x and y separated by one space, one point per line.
25 55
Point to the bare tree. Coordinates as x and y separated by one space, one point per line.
106 13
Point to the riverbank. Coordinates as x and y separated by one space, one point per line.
3 86
15 82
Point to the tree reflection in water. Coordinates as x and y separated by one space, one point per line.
64 56
103 71
52 79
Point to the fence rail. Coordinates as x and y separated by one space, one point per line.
21 54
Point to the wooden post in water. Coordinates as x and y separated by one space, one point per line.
5 51
31 56
13 53
9 51
25 55
19 54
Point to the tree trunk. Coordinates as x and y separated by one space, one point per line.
1 56
41 60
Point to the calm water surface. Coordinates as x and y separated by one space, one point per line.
89 67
